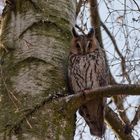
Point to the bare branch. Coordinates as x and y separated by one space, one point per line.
112 90
107 91
95 20
112 39
123 64
76 100
136 118
119 102
136 5
80 29
116 124
129 127
78 7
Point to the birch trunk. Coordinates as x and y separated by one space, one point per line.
35 43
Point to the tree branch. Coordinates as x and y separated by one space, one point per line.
78 7
119 100
116 124
95 22
137 5
76 100
136 118
107 91
123 64
129 127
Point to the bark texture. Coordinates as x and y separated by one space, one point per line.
35 42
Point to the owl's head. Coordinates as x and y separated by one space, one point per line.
83 44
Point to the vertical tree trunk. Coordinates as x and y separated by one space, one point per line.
95 20
35 41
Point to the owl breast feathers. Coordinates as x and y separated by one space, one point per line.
87 70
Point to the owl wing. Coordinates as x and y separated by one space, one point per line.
93 114
103 71
69 79
93 111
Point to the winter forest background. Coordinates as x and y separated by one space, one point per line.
117 27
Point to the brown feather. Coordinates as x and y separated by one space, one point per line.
87 70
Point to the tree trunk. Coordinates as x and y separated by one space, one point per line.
35 42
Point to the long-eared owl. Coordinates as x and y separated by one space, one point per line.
87 70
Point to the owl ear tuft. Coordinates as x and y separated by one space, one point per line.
91 33
75 34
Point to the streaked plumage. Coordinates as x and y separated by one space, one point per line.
87 70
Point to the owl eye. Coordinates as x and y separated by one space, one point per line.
78 46
89 45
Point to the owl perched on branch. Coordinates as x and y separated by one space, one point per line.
87 70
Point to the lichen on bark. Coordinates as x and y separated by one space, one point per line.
36 36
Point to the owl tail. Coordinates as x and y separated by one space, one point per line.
93 113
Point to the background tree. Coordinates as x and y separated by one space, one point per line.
120 30
35 40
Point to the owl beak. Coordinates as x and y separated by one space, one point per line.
83 51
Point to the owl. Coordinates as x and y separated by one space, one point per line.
87 70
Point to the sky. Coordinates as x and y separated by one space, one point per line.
131 101
1 6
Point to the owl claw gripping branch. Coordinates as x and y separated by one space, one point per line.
87 70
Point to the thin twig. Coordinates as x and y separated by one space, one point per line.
130 127
116 124
136 5
123 64
78 7
80 29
